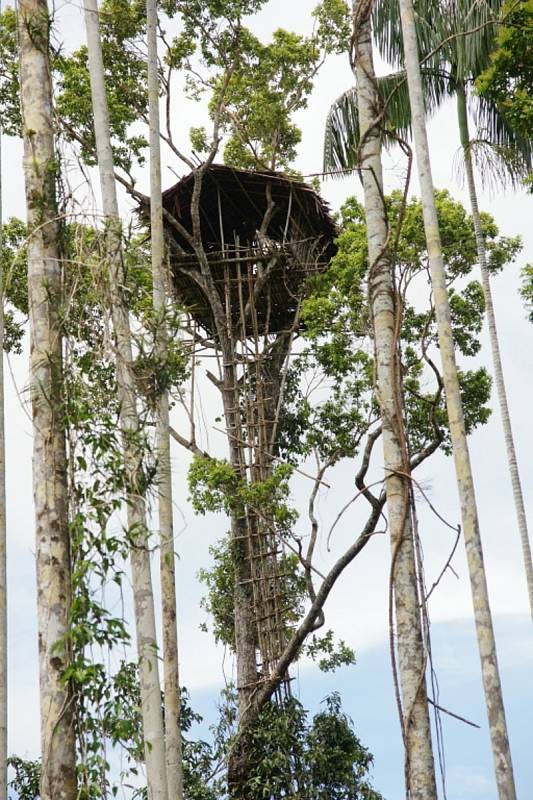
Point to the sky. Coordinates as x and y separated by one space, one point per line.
357 609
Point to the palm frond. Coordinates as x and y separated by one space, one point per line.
493 127
497 167
341 136
474 26
453 35
468 29
341 140
430 30
386 27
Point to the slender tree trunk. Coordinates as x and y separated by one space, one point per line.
3 529
494 344
58 778
172 700
485 633
416 729
140 556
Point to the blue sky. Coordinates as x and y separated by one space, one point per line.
367 692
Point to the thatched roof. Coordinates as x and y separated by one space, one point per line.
243 203
234 206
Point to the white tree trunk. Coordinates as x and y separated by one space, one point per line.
140 556
484 628
58 777
173 741
3 529
495 347
419 762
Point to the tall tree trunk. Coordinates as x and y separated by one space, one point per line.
172 701
3 529
485 633
494 344
140 556
416 729
58 778
245 624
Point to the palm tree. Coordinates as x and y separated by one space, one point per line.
474 551
494 342
449 70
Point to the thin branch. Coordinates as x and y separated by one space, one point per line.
451 714
364 492
189 445
265 690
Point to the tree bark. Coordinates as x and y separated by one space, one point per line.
495 346
140 557
416 729
484 628
58 774
172 699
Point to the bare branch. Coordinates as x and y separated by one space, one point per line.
189 445
264 690
451 714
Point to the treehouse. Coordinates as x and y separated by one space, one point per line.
242 247
263 235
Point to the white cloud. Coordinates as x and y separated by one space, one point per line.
470 784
